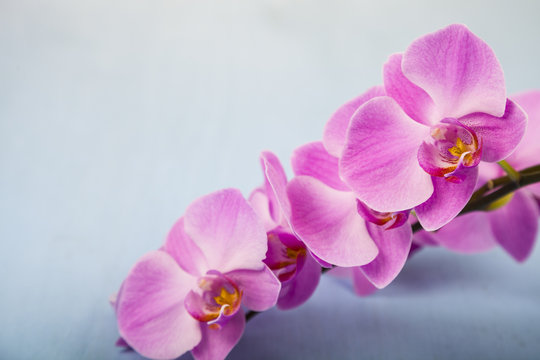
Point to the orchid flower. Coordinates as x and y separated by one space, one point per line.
287 256
443 110
337 227
188 295
511 222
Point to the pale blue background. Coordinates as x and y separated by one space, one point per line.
115 115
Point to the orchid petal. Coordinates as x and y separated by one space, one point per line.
515 225
361 285
526 153
335 131
412 99
499 135
276 186
260 289
394 246
227 230
466 234
458 70
151 315
261 204
380 158
217 343
313 160
186 253
327 221
447 201
299 289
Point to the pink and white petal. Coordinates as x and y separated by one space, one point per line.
413 100
260 203
361 285
260 288
380 158
468 234
526 153
313 160
335 131
394 246
227 230
424 238
458 70
216 344
299 289
186 253
447 201
327 221
276 186
150 310
499 135
515 225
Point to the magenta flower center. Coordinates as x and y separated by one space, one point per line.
388 220
450 148
215 299
284 255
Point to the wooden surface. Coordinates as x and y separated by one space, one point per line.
115 115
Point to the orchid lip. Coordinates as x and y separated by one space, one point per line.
387 220
285 255
451 147
214 300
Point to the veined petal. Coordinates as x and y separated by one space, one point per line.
380 158
327 221
276 187
217 343
260 288
299 289
412 99
526 153
313 160
335 131
499 135
447 201
515 225
151 315
394 246
458 70
227 230
466 234
261 204
186 253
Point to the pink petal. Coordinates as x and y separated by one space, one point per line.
151 315
499 135
313 160
327 221
299 289
458 71
227 230
335 131
186 253
217 343
412 99
526 153
261 204
260 289
275 184
361 285
466 234
515 225
394 246
447 201
380 158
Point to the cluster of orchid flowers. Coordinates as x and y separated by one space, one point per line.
395 167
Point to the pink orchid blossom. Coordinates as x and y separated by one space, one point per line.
511 222
188 295
338 228
444 111
287 256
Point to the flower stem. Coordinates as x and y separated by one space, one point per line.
512 173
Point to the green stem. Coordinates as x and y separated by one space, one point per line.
512 173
